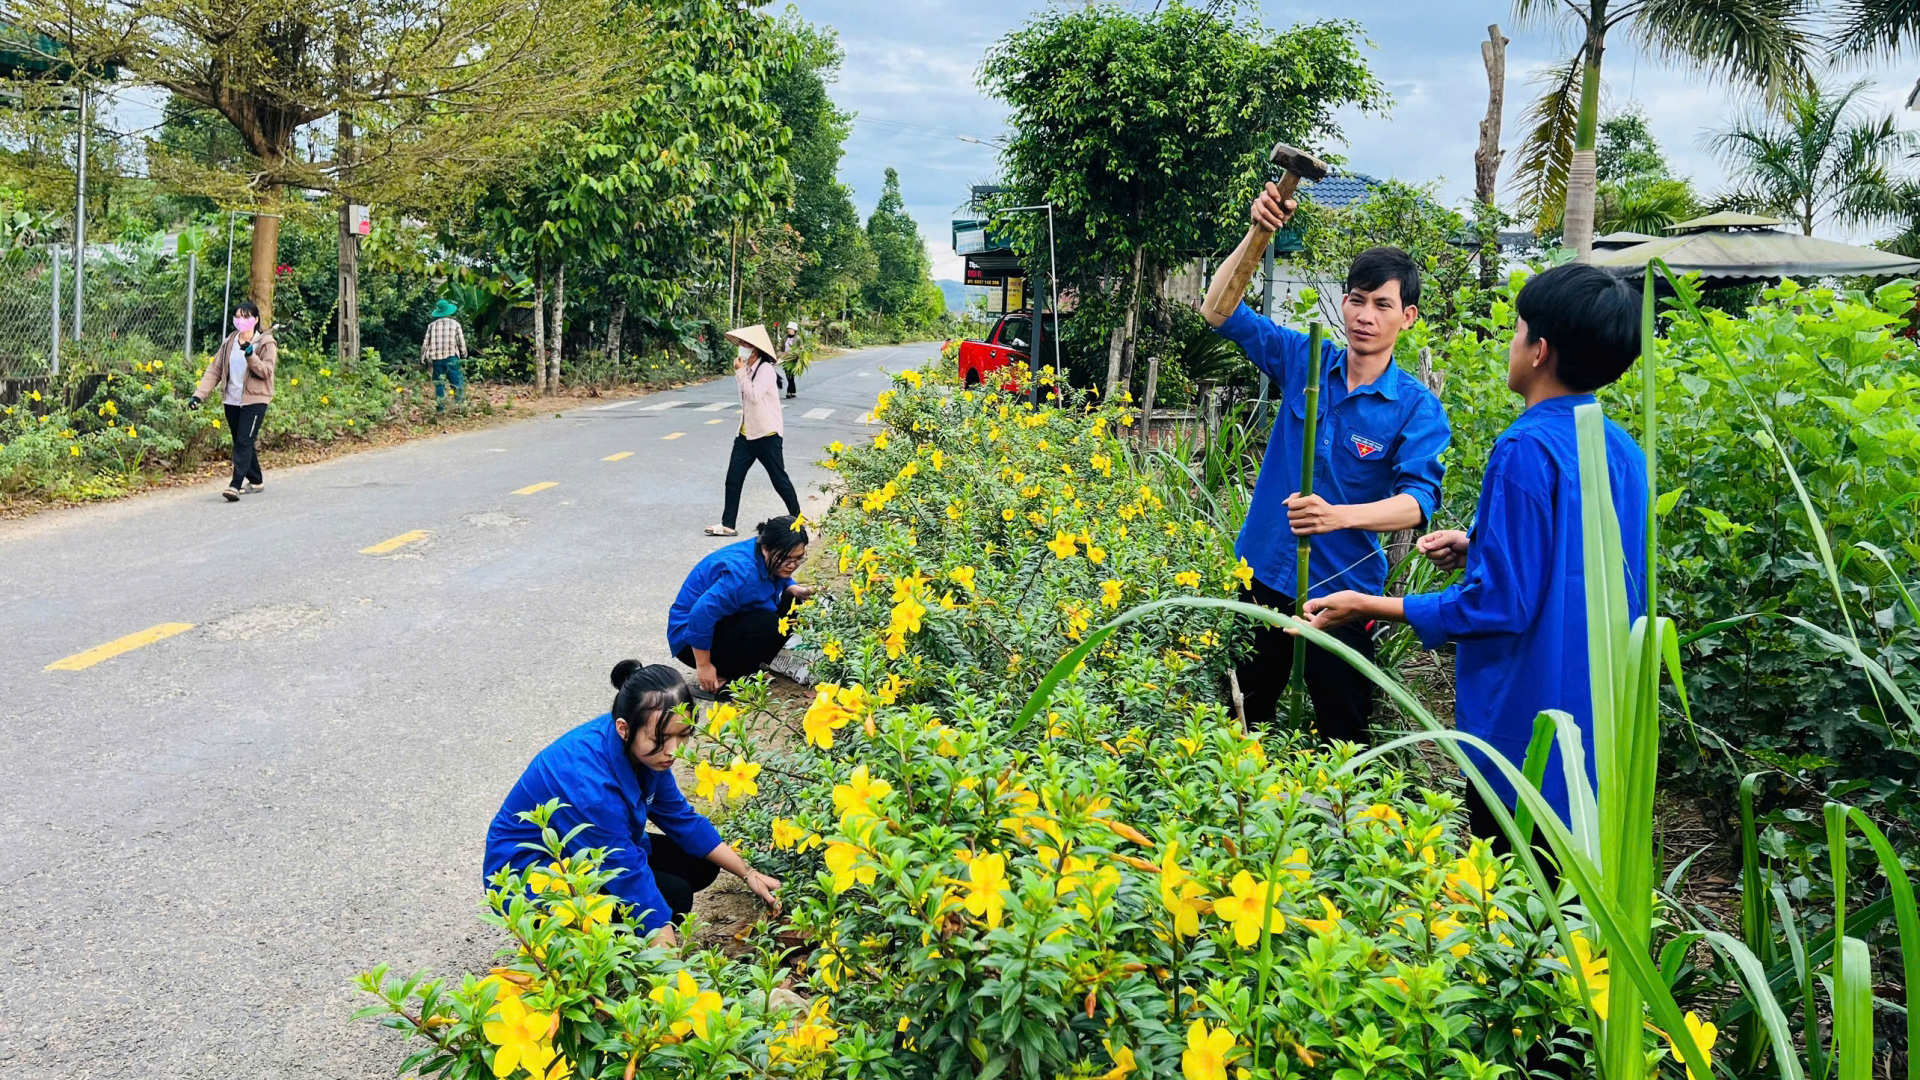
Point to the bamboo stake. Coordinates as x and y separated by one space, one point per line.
1297 681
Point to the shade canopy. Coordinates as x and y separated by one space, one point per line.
1726 219
1621 239
1745 252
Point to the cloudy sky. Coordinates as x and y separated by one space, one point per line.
910 78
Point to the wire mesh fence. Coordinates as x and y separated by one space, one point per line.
27 312
134 307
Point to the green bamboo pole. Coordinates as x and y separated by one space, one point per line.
1297 682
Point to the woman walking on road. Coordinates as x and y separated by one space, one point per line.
242 370
757 372
726 622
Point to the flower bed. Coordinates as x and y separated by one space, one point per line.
1116 881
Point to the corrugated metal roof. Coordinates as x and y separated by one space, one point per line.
1755 253
1341 189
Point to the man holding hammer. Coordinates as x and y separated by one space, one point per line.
1377 467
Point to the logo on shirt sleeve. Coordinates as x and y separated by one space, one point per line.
1363 446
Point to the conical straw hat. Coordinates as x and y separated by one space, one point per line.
756 336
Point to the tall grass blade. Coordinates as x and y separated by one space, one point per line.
1906 917
1853 1011
1534 768
1772 1019
1756 922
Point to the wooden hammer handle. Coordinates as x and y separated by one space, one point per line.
1230 284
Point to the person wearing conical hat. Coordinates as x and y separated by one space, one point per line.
442 350
756 370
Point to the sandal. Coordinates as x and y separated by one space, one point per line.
721 530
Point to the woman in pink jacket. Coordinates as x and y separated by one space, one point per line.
242 372
757 371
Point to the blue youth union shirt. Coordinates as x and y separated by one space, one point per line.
588 771
1519 612
1381 440
729 580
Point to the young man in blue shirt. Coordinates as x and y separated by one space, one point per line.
1377 470
1518 616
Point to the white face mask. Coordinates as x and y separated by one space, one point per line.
745 353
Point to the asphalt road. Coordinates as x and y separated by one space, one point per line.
204 837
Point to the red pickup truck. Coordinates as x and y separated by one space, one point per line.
1009 343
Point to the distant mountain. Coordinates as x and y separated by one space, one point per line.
956 294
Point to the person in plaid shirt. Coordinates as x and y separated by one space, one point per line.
444 347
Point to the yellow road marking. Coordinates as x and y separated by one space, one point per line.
82 660
541 486
719 420
670 438
621 456
400 541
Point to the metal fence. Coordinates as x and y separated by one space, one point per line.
135 303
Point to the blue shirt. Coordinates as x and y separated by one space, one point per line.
588 770
1519 612
730 580
1377 441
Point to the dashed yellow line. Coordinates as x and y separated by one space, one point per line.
541 486
621 456
719 419
82 660
670 438
396 543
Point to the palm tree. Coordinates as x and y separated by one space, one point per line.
1643 205
1764 42
1813 156
1876 26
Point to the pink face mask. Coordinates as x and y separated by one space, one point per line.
244 323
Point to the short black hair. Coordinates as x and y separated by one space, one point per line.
247 306
1590 317
781 535
1376 266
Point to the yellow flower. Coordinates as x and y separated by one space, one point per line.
786 834
740 778
880 440
551 879
812 1037
832 708
1062 546
1703 1034
706 779
1595 969
1243 574
1298 864
953 511
1249 907
325 400
520 1034
1110 593
841 859
1326 925
685 998
1205 1057
588 911
836 447
830 649
1096 554
295 381
906 616
1123 1062
962 576
74 451
1187 579
1181 894
1471 882
859 793
986 877
719 716
938 459
1007 514
1380 812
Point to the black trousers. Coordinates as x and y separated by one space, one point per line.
793 380
244 422
770 452
1341 696
677 874
744 642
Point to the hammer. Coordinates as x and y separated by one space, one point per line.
1223 296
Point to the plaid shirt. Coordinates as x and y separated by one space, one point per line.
444 340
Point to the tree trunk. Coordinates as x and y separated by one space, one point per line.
1583 184
613 331
733 275
1133 319
539 325
266 255
1486 159
559 329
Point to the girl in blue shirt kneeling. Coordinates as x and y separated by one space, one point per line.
614 774
726 622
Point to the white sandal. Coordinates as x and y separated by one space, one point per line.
721 530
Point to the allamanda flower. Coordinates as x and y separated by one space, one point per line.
694 1006
520 1035
1205 1057
1250 909
986 878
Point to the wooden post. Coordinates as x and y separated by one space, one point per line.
1146 410
1486 159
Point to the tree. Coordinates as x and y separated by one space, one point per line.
1395 213
1637 191
1628 150
1813 157
1764 42
440 87
903 280
1876 26
1148 133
